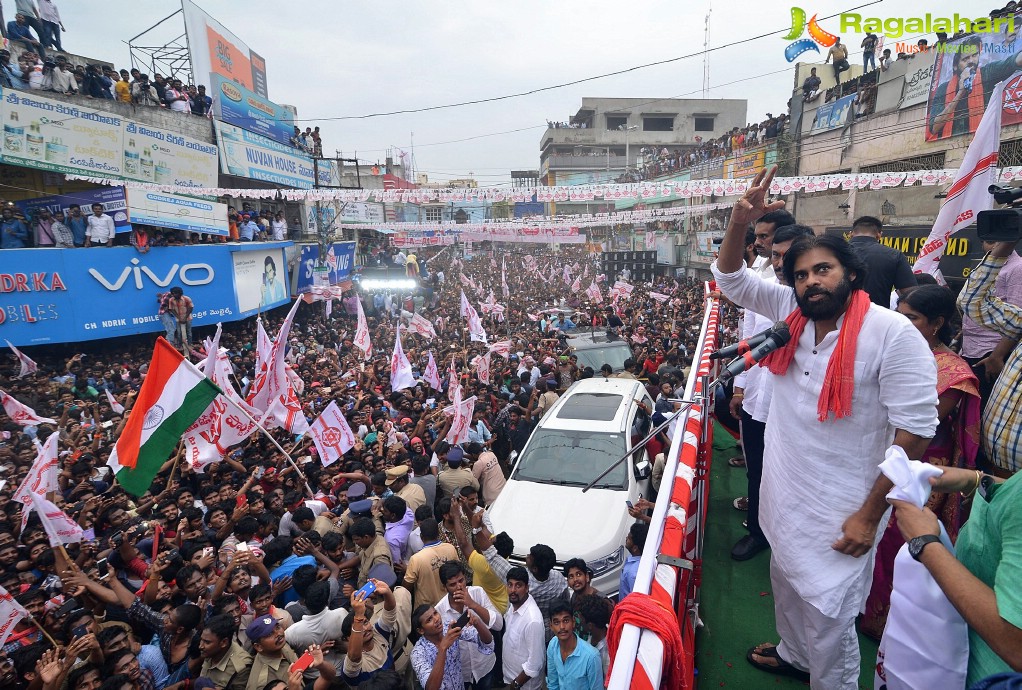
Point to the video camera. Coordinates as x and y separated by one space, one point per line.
1001 224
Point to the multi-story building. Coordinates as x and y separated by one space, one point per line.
607 137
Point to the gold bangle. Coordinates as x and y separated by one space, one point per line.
979 478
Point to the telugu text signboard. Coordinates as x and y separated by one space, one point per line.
249 155
161 156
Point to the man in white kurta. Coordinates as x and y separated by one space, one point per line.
818 474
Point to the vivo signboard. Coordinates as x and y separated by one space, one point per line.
71 295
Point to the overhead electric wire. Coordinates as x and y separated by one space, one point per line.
574 82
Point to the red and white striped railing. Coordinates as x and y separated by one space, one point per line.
676 533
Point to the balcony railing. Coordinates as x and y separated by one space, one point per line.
597 162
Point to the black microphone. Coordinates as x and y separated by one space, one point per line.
742 346
776 340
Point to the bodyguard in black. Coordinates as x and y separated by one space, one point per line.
888 268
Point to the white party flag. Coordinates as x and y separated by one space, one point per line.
331 434
59 527
27 365
20 414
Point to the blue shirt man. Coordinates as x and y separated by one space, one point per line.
78 224
571 663
247 230
13 232
633 545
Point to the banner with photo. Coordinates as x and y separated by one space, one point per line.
833 115
340 259
236 105
964 74
260 279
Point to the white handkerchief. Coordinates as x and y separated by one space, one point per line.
911 477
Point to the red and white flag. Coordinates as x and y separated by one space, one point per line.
432 373
463 409
421 325
27 365
114 405
22 415
453 386
11 613
576 286
623 288
41 477
593 293
400 368
483 368
502 348
59 527
272 392
263 346
566 276
968 194
362 341
225 423
331 434
659 297
475 326
503 278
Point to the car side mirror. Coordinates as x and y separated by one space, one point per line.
643 470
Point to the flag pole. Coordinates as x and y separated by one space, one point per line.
279 447
43 631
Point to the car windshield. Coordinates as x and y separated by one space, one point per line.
613 354
572 458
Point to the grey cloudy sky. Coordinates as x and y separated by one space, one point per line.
334 59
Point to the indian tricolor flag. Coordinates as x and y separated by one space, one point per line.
173 395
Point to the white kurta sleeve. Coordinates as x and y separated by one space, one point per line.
908 381
746 289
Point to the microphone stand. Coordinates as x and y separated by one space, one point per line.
685 405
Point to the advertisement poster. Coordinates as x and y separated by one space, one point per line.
60 137
339 260
213 49
72 295
236 105
245 154
112 198
260 279
964 75
833 115
164 157
177 211
362 212
744 165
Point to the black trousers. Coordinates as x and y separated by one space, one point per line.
752 446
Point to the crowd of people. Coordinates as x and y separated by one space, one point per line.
381 566
54 229
659 161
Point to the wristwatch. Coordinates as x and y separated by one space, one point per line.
917 544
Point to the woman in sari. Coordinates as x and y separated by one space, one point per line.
932 309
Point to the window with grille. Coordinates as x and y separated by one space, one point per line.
434 214
1010 153
932 161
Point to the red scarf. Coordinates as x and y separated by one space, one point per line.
975 105
839 381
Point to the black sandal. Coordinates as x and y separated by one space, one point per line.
783 668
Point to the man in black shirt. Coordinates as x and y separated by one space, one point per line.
888 268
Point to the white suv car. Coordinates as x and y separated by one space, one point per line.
593 424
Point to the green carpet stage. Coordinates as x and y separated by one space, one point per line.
737 608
